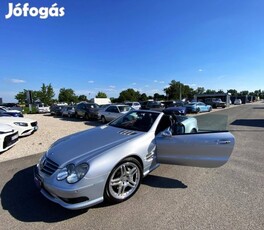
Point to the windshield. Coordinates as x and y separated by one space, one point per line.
124 108
136 120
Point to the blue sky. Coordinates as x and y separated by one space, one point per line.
114 45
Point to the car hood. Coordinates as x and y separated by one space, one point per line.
7 120
88 144
13 111
5 128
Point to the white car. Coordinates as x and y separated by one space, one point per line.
8 137
24 126
134 105
238 102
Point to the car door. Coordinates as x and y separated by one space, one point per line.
201 106
111 113
201 149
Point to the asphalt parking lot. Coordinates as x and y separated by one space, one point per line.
171 197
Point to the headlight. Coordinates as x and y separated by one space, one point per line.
73 173
21 123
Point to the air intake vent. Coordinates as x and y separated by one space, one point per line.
48 166
127 132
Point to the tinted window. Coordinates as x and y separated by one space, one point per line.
136 120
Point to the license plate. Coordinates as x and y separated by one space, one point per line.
14 137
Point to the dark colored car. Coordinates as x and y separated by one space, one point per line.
56 110
4 112
153 105
175 110
177 107
87 110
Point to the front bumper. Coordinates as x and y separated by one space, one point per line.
71 197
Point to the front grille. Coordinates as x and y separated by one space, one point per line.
10 139
48 166
34 124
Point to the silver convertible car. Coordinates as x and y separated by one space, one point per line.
109 162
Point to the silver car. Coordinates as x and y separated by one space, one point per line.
109 162
112 112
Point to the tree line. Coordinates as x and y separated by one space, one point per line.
175 91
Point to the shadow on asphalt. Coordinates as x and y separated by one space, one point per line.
162 182
249 122
24 202
21 198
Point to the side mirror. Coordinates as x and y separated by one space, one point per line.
167 133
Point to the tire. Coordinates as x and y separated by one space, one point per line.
103 119
193 131
123 181
210 109
87 117
198 110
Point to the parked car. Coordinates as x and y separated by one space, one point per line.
56 109
237 102
87 110
113 111
177 107
197 107
134 105
68 111
24 126
109 162
154 105
8 137
215 102
4 112
41 108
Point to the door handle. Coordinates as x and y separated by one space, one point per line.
223 142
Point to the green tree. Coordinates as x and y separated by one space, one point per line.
177 90
21 96
129 95
101 95
220 91
46 94
243 93
67 95
210 91
143 97
82 98
233 92
200 90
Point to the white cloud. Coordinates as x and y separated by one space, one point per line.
91 81
134 83
17 81
159 82
191 85
112 86
200 70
